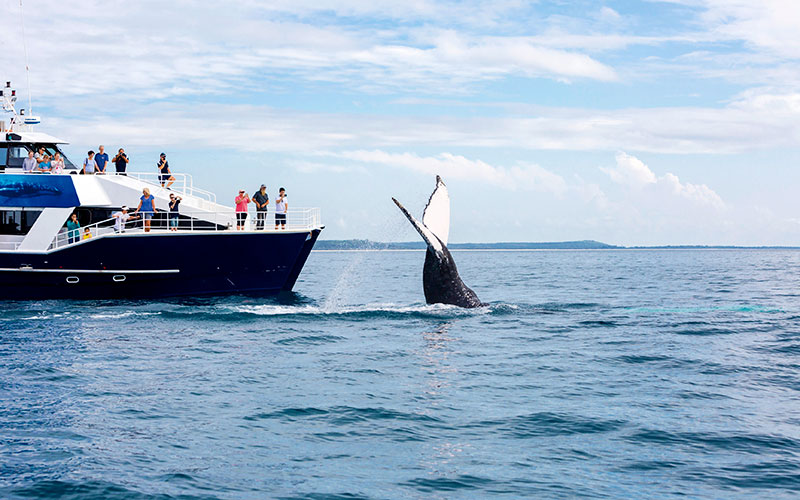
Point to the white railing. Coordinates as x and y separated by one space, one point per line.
183 184
297 219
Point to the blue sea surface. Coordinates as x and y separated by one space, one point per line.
591 374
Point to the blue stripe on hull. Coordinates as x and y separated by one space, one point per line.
216 263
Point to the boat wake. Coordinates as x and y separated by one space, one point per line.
383 310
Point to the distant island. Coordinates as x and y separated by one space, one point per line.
420 245
513 245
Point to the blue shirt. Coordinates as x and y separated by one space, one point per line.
73 228
101 159
147 204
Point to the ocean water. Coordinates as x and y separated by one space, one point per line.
591 374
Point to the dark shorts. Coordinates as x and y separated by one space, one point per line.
164 178
240 218
280 219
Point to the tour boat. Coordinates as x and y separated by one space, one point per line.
40 258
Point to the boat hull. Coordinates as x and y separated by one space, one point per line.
155 265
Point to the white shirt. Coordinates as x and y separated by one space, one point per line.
280 206
57 167
121 219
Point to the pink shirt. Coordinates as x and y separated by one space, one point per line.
241 203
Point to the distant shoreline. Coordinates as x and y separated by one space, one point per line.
367 245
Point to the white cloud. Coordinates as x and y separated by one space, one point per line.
632 172
766 24
609 15
528 177
755 121
165 50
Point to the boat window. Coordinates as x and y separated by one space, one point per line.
67 163
16 154
17 221
3 153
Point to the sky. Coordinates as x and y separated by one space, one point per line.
628 122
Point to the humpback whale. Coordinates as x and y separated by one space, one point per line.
440 280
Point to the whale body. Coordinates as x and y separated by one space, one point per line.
440 280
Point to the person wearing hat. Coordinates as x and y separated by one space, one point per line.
122 217
164 174
261 199
241 209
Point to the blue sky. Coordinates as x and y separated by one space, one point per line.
629 122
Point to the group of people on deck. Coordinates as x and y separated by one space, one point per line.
41 161
146 209
97 163
261 200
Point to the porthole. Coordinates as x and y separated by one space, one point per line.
72 279
119 278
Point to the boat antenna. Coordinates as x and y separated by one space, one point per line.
25 49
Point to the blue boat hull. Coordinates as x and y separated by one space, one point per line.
159 265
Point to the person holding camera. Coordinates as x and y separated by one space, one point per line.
174 211
261 199
121 162
241 202
281 206
164 174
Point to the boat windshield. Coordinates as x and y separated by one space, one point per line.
18 151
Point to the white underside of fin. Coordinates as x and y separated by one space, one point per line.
436 216
427 235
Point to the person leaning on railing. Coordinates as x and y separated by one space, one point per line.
101 160
147 208
121 218
44 165
29 164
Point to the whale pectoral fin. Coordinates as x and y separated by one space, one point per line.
427 235
436 215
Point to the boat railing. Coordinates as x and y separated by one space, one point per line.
9 245
297 219
183 184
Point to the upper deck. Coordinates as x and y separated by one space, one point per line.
34 208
